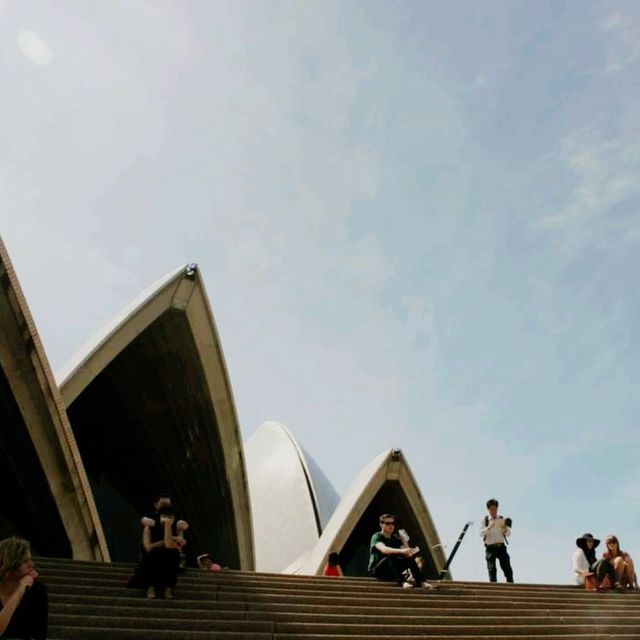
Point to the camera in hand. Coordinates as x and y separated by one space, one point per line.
508 522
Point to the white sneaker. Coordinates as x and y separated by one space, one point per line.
151 593
407 585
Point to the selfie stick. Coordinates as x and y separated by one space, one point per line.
445 569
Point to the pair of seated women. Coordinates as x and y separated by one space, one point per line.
615 564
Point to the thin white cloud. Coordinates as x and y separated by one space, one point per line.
602 171
623 46
613 21
33 47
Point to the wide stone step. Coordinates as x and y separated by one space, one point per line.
269 600
107 633
143 623
60 614
326 586
116 586
129 616
125 571
484 631
409 599
193 607
288 581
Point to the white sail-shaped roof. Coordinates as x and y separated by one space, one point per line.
91 357
386 484
156 377
291 499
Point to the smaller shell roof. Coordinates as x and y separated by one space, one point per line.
291 498
389 466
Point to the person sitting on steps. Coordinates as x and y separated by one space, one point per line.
333 568
205 561
390 557
24 606
625 573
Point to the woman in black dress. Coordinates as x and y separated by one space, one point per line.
162 540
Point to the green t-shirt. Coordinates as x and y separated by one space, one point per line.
375 555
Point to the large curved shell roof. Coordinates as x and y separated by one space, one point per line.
151 406
291 499
386 484
41 466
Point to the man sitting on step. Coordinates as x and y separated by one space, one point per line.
390 556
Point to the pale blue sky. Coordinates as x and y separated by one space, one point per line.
418 223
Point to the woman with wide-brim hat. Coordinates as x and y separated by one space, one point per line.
584 557
585 562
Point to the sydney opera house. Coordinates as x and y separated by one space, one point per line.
147 405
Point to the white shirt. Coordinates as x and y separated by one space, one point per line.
492 533
580 563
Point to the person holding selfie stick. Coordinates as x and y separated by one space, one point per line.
390 556
494 531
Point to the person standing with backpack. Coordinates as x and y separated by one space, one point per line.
494 531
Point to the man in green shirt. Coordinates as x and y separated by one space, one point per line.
390 557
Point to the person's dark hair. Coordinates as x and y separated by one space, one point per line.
333 559
492 503
385 516
166 510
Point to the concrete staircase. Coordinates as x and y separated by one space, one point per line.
89 601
